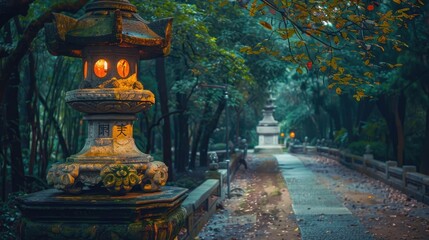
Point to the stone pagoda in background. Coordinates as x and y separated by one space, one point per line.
268 131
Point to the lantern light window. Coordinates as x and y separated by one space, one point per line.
123 68
100 68
85 70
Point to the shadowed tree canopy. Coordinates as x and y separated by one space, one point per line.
350 71
30 32
323 37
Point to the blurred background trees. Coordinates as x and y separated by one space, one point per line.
369 85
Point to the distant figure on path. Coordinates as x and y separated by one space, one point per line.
243 154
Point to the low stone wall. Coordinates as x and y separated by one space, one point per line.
405 178
201 202
294 148
303 148
200 206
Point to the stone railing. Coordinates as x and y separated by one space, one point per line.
302 148
296 148
201 202
200 205
404 178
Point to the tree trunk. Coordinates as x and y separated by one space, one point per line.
176 141
424 156
13 132
12 118
57 127
3 151
194 147
393 111
166 127
238 117
365 108
383 108
316 126
31 99
332 111
399 104
208 131
346 115
322 123
196 139
149 131
182 152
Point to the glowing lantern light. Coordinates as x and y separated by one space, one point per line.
123 68
100 68
309 65
292 135
85 70
370 7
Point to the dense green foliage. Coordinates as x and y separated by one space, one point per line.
391 111
353 72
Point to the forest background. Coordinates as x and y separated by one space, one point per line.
354 73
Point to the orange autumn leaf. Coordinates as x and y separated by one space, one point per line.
266 25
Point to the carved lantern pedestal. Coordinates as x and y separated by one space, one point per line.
52 214
110 189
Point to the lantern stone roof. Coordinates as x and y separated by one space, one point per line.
108 23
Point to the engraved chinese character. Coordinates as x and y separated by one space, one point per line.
103 130
121 129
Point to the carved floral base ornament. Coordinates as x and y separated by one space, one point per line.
110 38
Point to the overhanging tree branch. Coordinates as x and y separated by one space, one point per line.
12 8
29 34
158 122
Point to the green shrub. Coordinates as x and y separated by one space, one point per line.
188 180
378 149
217 146
341 136
10 216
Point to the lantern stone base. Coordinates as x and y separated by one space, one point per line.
268 149
268 139
52 214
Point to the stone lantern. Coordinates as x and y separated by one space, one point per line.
268 130
110 38
110 189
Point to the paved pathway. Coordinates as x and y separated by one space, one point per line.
319 213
